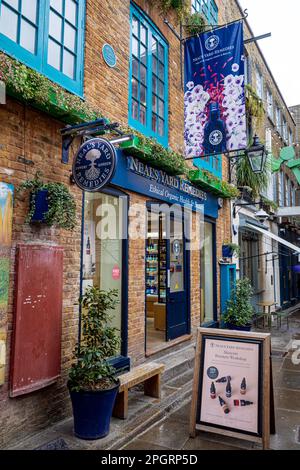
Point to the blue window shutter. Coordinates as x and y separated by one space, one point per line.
148 70
38 60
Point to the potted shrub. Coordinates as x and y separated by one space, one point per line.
230 249
92 383
239 311
50 203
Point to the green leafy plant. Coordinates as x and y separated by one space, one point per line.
268 204
254 105
99 342
38 90
236 250
239 310
195 24
256 181
61 204
180 6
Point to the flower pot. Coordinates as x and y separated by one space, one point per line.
92 411
227 251
232 326
41 206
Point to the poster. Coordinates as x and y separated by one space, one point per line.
230 387
214 99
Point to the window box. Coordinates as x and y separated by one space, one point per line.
135 148
211 183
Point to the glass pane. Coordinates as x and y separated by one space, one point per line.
154 46
143 51
207 279
13 3
161 89
143 74
135 67
27 36
135 110
161 127
102 248
69 64
143 115
134 88
154 122
55 26
154 65
161 108
54 51
71 12
143 94
135 26
176 256
57 5
161 52
135 47
154 103
143 34
9 23
29 9
154 84
161 71
70 37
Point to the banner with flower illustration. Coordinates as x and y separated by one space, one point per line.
214 99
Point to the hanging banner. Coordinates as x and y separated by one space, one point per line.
214 99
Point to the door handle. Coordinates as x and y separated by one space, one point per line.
168 279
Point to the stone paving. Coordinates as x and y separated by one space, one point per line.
165 425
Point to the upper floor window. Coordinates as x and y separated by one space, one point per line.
285 130
148 84
281 189
259 84
290 137
46 35
270 103
275 187
208 8
278 119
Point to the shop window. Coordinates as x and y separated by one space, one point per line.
148 84
207 275
103 250
47 36
208 8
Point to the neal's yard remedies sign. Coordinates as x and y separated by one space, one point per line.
94 164
232 385
214 100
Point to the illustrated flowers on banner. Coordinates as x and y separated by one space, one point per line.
228 92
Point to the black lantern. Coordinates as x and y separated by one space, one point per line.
257 155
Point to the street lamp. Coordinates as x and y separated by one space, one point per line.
257 155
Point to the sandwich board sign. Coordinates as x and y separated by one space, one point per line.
232 389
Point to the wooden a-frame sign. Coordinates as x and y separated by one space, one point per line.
233 387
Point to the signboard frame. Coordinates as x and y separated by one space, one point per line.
266 420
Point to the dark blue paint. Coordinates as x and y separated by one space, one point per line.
154 185
41 206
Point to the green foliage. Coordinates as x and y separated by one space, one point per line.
254 105
4 281
268 204
38 90
239 310
62 206
225 189
99 342
180 6
195 24
256 181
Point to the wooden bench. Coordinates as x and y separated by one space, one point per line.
149 374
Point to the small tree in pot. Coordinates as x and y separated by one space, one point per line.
92 383
239 311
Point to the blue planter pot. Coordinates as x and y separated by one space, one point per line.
92 412
41 206
232 326
227 252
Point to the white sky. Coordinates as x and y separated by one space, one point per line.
282 49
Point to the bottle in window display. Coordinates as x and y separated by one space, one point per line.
214 132
88 258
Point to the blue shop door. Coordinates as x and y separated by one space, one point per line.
177 280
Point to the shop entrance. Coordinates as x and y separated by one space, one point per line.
167 273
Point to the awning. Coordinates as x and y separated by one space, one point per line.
271 235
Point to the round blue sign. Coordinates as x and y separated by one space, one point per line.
109 55
94 164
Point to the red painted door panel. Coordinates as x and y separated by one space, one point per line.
36 349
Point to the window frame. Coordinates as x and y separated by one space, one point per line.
270 104
38 61
136 124
207 8
259 77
